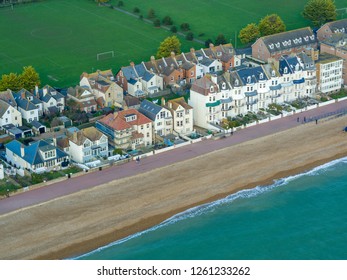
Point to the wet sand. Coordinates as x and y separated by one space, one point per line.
80 222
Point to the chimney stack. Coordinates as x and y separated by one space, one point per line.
44 90
192 50
172 54
36 90
162 101
152 58
132 64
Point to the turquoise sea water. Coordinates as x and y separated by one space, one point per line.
300 217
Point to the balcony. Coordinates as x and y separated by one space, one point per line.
252 102
214 104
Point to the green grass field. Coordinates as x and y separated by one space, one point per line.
62 38
212 17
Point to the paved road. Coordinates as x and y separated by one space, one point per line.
92 179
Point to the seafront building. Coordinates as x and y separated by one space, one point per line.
329 73
222 83
39 156
127 129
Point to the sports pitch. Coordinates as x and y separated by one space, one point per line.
61 39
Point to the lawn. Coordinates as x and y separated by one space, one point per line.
211 17
62 38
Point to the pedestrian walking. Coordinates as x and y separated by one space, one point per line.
316 121
304 119
298 119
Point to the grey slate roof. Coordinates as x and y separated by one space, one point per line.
37 124
129 72
3 107
252 75
290 39
338 26
25 104
149 109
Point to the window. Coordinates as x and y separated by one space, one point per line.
148 125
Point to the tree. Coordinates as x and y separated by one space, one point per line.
190 36
249 33
185 26
136 10
167 20
10 81
220 40
156 22
29 78
320 11
271 24
208 42
173 29
151 14
170 44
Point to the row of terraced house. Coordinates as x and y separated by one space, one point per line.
223 83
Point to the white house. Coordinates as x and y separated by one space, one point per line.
38 157
9 114
160 116
205 97
29 111
329 73
52 100
87 145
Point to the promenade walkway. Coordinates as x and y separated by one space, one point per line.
89 180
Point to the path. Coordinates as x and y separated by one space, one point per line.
90 180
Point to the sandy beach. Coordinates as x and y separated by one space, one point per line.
86 220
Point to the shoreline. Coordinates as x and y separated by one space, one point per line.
79 223
76 250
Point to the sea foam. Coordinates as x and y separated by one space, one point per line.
204 208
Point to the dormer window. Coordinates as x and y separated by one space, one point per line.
273 73
300 40
271 46
224 86
131 117
248 79
306 38
237 82
211 89
285 70
297 67
278 45
312 37
219 53
261 76
295 41
284 43
289 42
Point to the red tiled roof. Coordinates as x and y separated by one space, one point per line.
117 120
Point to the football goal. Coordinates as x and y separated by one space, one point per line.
341 13
104 55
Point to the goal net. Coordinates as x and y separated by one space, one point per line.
105 55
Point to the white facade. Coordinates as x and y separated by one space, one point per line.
329 75
88 150
30 115
10 116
